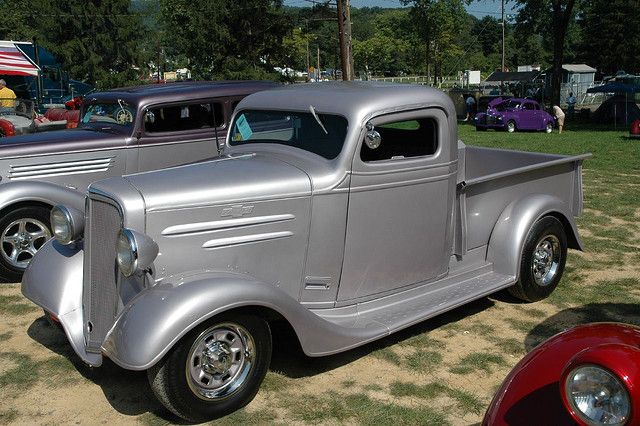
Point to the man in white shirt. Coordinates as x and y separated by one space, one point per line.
559 114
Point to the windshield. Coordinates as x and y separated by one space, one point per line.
322 134
22 107
507 105
118 113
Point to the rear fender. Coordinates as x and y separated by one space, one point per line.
157 318
510 231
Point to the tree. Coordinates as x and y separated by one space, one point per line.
98 42
225 38
554 17
438 23
610 35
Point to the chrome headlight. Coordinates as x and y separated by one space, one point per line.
134 251
67 224
597 396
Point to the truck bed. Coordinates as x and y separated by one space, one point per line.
489 179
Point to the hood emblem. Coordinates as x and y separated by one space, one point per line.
237 210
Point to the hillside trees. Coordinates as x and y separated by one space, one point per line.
98 42
224 38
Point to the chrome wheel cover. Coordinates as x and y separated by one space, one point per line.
548 128
22 239
220 361
511 127
546 260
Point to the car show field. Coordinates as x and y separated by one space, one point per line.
441 371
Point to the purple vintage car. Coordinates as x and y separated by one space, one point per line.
514 114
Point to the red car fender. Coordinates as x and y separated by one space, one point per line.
621 360
635 128
7 128
530 395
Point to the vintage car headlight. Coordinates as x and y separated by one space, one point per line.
134 251
597 396
67 224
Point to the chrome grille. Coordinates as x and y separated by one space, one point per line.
100 273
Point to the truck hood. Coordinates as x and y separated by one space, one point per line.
228 179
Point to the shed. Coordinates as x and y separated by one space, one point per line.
576 78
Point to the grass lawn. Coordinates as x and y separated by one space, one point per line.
442 371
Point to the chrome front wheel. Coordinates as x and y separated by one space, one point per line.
21 239
220 361
215 369
511 126
23 231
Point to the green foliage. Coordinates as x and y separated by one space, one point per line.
98 42
224 38
610 35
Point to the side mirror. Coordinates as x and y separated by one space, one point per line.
149 117
373 138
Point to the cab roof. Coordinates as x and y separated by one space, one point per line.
349 99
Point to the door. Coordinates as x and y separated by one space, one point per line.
400 206
180 133
528 116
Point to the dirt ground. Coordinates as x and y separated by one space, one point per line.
442 371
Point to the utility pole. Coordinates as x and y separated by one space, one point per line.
344 34
502 35
318 69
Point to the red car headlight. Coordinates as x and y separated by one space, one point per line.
595 385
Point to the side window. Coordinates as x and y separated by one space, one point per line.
528 106
234 104
536 107
403 139
175 118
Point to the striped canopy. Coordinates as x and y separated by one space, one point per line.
13 61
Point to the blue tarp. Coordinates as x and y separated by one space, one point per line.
615 88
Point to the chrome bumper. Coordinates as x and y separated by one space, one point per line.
53 281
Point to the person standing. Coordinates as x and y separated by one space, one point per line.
7 95
571 104
559 114
470 101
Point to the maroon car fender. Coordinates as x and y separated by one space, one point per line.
7 128
530 395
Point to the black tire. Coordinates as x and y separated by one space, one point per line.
543 259
172 378
34 217
481 129
52 322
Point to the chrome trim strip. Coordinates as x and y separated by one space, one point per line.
254 238
61 173
29 167
190 228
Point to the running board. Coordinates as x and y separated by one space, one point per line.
394 312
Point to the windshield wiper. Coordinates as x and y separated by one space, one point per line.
313 112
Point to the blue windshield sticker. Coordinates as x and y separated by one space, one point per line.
243 127
86 117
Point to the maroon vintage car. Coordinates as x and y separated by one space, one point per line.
588 375
514 114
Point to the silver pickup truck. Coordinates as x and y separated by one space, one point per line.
349 211
120 132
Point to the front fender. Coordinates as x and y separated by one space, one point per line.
53 281
532 389
44 192
510 231
160 316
